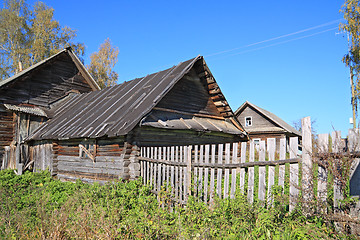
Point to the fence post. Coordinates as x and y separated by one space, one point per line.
307 175
323 143
294 174
336 141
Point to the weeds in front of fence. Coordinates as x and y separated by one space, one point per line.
34 206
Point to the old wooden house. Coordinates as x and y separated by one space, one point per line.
261 124
26 97
97 135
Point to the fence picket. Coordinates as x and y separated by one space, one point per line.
201 160
168 170
181 175
196 170
159 171
172 177
227 171
250 195
271 176
219 170
282 155
212 174
206 173
233 171
294 174
242 170
177 171
188 172
262 172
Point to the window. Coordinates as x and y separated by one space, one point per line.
87 149
248 121
256 142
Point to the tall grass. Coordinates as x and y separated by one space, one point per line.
35 206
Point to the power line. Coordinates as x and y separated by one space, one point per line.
279 37
290 40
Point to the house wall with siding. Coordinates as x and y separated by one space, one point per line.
258 120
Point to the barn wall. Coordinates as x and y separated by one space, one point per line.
7 125
46 84
111 160
189 95
42 155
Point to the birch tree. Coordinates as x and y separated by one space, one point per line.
102 64
29 34
351 11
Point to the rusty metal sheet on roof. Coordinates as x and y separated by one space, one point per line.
113 111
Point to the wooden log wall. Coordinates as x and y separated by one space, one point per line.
112 160
7 128
42 155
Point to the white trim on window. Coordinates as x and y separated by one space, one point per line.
248 121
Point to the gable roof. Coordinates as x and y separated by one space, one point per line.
89 79
272 117
115 111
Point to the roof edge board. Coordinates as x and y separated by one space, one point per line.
83 70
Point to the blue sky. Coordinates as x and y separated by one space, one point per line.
284 56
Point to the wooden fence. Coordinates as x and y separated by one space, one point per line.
224 169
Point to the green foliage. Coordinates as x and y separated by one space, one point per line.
29 35
351 11
102 63
34 206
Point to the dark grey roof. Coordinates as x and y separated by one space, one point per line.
76 60
113 111
281 123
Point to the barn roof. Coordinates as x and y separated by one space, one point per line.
272 117
115 111
92 83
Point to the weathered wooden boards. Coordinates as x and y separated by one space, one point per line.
218 170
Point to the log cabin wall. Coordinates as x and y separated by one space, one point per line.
69 162
7 132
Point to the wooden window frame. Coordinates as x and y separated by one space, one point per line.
246 121
87 149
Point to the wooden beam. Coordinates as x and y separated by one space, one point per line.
223 166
